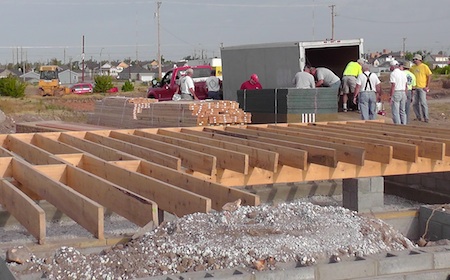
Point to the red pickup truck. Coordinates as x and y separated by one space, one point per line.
165 89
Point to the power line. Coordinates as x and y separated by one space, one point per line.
393 21
146 2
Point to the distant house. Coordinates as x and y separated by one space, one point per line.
436 60
30 77
136 73
387 58
105 69
68 77
5 73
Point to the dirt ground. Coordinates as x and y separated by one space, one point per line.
254 237
75 108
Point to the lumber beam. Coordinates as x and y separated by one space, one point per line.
101 151
5 153
405 134
401 151
375 152
348 154
411 128
27 151
286 155
86 212
287 174
132 149
315 154
264 159
226 159
219 194
52 146
5 167
170 198
430 149
127 204
24 209
190 159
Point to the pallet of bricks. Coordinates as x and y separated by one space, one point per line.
194 113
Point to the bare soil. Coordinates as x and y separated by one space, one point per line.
253 237
75 108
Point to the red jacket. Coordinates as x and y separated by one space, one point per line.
251 85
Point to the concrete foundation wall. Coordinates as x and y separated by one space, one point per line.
419 263
437 182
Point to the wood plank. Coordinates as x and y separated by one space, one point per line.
5 153
129 205
226 159
348 154
86 212
5 167
375 152
102 151
407 134
267 160
315 172
411 128
218 193
430 149
24 209
51 146
27 151
315 154
287 156
401 151
190 159
132 149
170 198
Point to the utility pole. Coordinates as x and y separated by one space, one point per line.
82 62
158 5
404 49
332 21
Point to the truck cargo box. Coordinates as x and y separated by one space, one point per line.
277 63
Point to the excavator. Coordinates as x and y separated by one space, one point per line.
49 84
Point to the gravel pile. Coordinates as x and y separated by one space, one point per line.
252 237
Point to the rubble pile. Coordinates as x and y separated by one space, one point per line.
253 237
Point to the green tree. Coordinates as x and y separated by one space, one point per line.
12 86
103 83
128 86
409 56
55 61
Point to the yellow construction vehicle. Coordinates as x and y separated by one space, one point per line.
49 84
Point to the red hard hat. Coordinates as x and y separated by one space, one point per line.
254 77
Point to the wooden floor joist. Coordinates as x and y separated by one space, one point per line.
190 159
24 209
135 172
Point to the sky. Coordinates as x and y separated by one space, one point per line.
41 30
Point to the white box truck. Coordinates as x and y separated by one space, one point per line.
277 63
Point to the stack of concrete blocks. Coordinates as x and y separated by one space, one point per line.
363 194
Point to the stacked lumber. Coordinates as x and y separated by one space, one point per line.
124 112
195 113
120 112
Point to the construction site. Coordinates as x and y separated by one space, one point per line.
203 192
